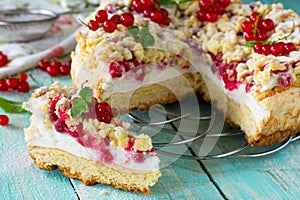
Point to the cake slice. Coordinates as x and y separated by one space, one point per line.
84 141
246 62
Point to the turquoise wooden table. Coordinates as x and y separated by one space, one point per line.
275 176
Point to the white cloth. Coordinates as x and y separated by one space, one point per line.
59 40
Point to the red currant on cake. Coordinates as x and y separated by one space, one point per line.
153 10
257 28
210 9
101 16
127 19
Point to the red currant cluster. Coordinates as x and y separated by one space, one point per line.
55 68
211 9
116 68
4 120
276 49
110 25
151 9
20 84
3 59
257 28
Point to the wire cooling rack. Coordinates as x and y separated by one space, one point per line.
232 138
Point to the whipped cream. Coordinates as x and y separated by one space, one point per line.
42 133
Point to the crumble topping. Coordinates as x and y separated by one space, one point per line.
222 39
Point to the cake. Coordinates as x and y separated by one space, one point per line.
88 143
246 55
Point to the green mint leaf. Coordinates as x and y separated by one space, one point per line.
134 32
79 106
145 37
11 106
86 94
167 3
184 1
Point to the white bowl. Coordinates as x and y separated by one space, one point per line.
25 25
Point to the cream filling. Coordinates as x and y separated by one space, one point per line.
128 82
43 134
239 96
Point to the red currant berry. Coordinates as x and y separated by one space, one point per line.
261 36
224 3
205 5
4 120
249 36
147 13
156 16
23 77
258 47
201 15
266 49
53 117
253 17
219 10
23 86
147 4
3 85
285 80
127 19
53 102
115 70
101 16
115 18
138 157
103 112
53 69
266 25
247 27
3 59
12 83
60 125
43 64
110 26
277 49
166 21
125 64
93 25
289 47
211 17
137 6
65 69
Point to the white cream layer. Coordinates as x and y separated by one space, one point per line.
39 134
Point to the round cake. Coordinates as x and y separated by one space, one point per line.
246 53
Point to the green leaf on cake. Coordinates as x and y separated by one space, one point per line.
142 35
9 106
79 106
167 3
86 94
134 32
145 37
184 1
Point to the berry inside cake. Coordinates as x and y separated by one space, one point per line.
135 54
72 131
